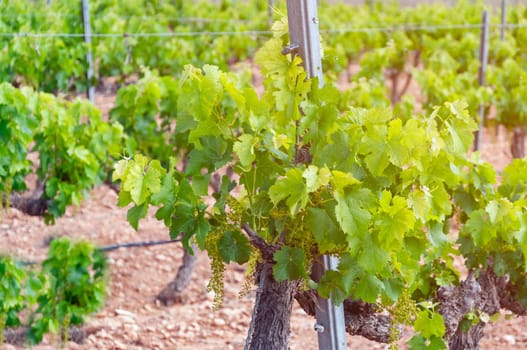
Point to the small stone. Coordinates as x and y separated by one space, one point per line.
195 325
132 335
165 335
160 257
218 333
127 319
171 327
509 339
219 322
165 268
130 327
122 312
103 334
119 345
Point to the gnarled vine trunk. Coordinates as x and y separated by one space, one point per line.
518 142
31 203
488 293
270 324
360 317
274 300
171 294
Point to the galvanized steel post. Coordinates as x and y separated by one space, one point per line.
305 41
483 58
87 40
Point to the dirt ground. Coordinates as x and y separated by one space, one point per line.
131 319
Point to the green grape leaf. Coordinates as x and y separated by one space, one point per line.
429 324
418 342
183 220
292 187
521 236
350 271
377 158
330 285
203 89
514 180
212 154
143 178
460 135
120 170
420 205
368 288
290 264
325 229
430 204
269 58
393 288
479 227
201 229
234 246
244 148
397 149
316 178
436 235
395 219
167 196
373 259
136 213
352 211
341 180
200 184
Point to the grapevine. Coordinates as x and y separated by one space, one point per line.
68 285
377 192
316 170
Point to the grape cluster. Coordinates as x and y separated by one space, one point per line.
249 281
216 283
403 312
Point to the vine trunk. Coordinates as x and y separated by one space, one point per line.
272 312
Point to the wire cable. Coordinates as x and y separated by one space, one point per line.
253 33
141 17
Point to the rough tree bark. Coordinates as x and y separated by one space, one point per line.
487 294
361 318
31 203
19 336
171 294
270 324
395 75
518 142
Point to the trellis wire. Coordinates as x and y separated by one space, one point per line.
157 18
411 28
138 34
408 28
